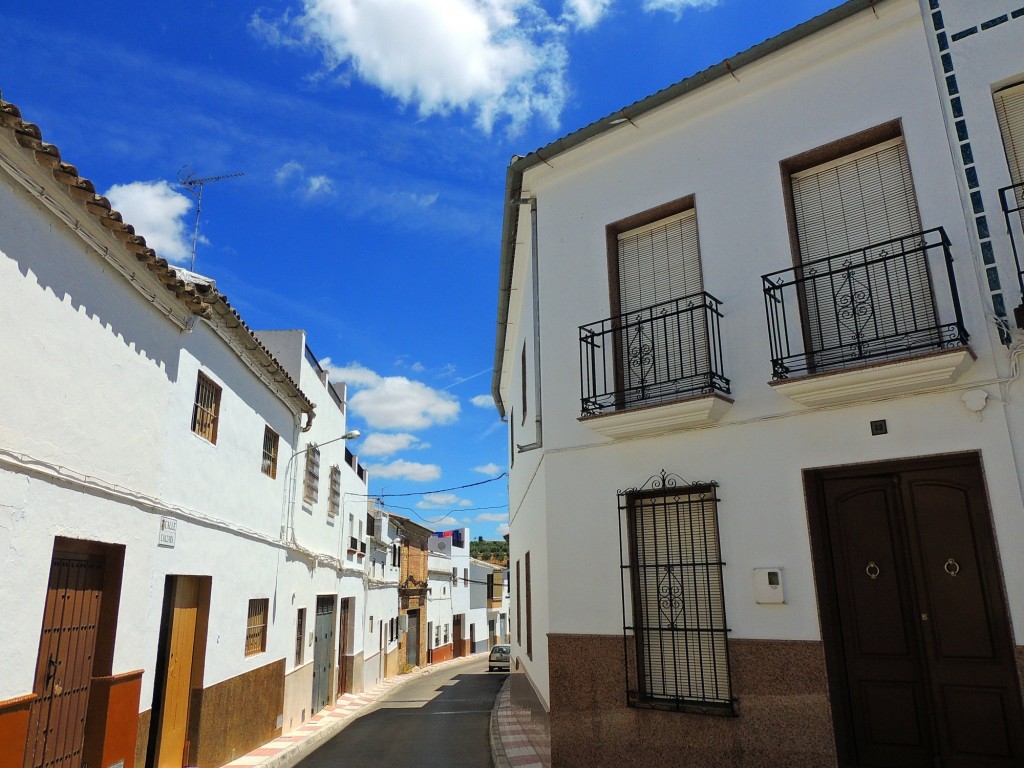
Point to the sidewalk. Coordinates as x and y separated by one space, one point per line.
288 749
513 743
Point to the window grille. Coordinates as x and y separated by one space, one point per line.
256 626
334 501
206 410
311 482
300 633
672 581
270 442
519 607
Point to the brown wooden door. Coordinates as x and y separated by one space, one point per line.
65 665
180 642
457 649
925 644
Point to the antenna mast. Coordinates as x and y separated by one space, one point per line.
191 183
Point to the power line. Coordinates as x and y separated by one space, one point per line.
427 493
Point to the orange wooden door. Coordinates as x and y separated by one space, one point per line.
177 689
64 667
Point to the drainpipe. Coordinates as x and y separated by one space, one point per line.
535 270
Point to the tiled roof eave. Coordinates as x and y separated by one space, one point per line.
40 169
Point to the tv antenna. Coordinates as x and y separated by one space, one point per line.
192 183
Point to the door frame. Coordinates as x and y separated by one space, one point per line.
824 580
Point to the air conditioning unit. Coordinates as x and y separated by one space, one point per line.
403 622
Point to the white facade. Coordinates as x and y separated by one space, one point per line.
102 462
720 143
382 576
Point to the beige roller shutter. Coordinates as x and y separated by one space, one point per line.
661 344
860 305
1010 112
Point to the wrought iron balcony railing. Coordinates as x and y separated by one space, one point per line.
867 305
665 352
1012 200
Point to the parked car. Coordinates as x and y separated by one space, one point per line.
499 658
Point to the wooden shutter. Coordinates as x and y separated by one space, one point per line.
856 306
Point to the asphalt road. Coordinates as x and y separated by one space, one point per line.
439 720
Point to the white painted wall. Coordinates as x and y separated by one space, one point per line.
723 144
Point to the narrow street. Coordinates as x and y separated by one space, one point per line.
440 719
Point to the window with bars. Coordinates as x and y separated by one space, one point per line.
334 500
672 579
271 440
256 626
519 606
311 480
206 410
300 634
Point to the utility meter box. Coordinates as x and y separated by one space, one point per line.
768 587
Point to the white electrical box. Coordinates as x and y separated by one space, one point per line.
768 587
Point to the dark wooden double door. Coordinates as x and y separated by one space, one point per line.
916 628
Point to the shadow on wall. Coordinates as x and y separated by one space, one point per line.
67 273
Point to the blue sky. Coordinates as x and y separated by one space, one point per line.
374 137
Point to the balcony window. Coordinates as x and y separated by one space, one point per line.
662 341
867 279
1009 103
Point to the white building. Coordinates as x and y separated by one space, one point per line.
765 495
163 574
383 573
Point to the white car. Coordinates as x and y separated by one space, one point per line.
499 658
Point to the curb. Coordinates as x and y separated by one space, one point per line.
498 756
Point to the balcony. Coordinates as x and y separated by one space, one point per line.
668 353
868 322
1011 199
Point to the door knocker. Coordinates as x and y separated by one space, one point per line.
872 570
952 567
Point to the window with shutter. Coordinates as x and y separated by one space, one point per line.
674 569
1010 113
865 281
664 337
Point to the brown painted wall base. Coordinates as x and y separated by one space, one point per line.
783 707
441 653
237 715
113 720
142 740
14 729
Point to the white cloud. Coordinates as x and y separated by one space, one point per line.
491 469
442 501
495 59
482 401
385 444
394 402
405 470
503 529
445 522
586 13
676 7
492 517
293 176
158 213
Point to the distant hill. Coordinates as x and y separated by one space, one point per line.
492 551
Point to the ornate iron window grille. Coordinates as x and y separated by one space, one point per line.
665 352
869 304
673 605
